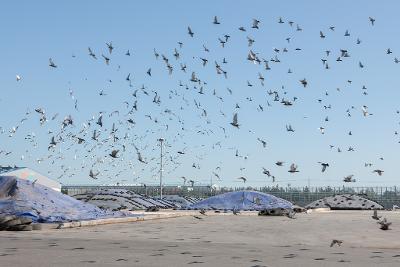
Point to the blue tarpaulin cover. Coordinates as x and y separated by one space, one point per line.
24 198
242 200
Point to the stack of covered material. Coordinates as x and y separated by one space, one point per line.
181 202
122 199
27 199
242 200
345 202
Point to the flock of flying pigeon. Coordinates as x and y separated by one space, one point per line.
109 145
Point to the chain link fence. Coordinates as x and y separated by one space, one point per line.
385 196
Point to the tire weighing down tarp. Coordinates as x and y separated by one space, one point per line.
42 204
242 200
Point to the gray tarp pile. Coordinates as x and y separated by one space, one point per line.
181 202
345 202
122 199
26 199
242 200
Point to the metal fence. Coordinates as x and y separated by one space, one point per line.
385 196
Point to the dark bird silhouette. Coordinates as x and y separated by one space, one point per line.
349 179
324 166
255 23
190 32
93 175
379 172
336 242
106 59
372 20
375 215
52 64
235 121
110 47
384 224
216 20
243 179
114 153
293 168
304 82
91 53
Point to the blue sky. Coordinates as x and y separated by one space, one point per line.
34 32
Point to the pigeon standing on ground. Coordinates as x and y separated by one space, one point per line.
375 215
336 242
384 224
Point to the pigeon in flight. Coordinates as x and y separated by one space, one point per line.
194 78
216 20
93 55
235 121
140 158
110 47
264 143
304 82
379 172
184 179
114 153
100 120
255 24
243 179
293 168
324 166
106 59
52 64
349 179
190 32
93 175
372 20
289 128
266 172
53 143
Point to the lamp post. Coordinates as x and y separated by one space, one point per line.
161 140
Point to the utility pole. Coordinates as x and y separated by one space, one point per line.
211 186
161 140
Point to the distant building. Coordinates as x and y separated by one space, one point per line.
31 175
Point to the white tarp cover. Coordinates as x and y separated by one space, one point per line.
31 175
22 198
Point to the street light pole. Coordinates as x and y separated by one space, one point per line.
161 140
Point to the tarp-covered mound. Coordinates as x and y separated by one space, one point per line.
42 204
242 200
122 199
345 202
181 202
